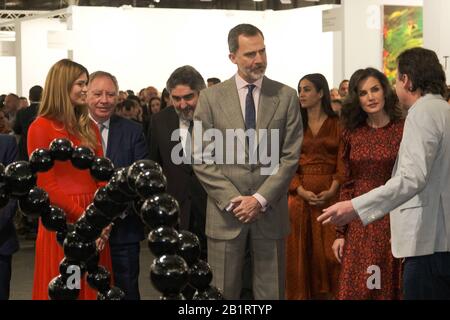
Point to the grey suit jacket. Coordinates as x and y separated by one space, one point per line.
418 194
219 107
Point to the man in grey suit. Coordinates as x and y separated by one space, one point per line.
418 194
245 198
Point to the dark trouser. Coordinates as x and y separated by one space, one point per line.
5 276
125 263
427 277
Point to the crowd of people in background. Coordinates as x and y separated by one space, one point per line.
345 145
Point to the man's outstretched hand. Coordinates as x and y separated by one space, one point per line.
339 214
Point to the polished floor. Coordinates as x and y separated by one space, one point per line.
23 269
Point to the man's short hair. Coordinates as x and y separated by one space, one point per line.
35 94
99 74
188 76
245 29
13 95
423 68
213 80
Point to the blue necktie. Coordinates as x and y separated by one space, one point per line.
250 113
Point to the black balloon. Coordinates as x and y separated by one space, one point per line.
137 205
58 290
169 274
189 247
75 248
61 236
114 293
178 296
200 275
82 157
160 210
19 178
86 230
95 217
92 262
99 279
35 202
140 166
41 160
54 219
61 149
150 182
163 240
102 169
106 205
118 188
211 293
66 264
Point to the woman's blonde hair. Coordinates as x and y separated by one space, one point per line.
56 103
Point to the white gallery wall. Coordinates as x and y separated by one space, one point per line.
362 40
7 61
436 29
142 46
34 55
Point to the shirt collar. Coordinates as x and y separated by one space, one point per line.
105 124
241 83
426 97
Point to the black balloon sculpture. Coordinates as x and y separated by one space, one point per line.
140 188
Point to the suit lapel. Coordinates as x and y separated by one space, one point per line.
230 104
113 137
268 102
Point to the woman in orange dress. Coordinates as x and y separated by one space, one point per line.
311 268
63 114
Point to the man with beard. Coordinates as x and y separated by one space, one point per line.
184 86
246 202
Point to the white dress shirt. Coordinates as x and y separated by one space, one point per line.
103 133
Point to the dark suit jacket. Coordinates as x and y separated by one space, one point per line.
126 144
8 237
181 180
23 120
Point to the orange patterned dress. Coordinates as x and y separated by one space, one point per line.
312 270
369 156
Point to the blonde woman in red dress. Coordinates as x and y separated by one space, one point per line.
63 114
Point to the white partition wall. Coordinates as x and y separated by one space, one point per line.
142 46
297 46
362 43
34 56
436 29
7 62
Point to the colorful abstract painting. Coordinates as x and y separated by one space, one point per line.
402 29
